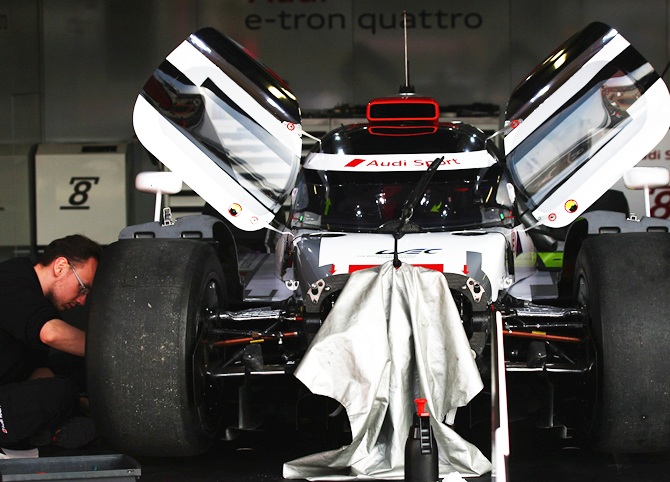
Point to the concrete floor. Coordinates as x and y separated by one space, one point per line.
259 456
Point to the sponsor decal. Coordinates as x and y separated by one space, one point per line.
234 210
381 256
371 21
552 217
355 162
392 162
412 251
571 206
440 251
374 162
407 253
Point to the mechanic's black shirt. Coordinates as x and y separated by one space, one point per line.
23 311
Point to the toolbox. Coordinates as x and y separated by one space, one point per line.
107 468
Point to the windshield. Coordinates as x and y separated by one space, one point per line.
360 181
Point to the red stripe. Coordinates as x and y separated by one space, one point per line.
357 267
354 163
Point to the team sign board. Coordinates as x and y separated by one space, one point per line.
659 197
347 52
80 189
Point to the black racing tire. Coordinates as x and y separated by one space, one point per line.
623 280
147 349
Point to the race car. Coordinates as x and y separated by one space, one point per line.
191 318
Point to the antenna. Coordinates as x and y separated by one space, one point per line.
406 88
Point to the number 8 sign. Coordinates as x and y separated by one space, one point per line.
79 190
79 198
660 203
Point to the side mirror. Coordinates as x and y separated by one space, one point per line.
646 178
158 182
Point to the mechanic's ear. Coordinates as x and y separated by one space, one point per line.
60 266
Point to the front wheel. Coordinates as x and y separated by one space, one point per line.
623 281
147 346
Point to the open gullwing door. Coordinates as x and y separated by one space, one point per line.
591 111
226 124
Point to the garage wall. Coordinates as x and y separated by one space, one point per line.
20 93
72 68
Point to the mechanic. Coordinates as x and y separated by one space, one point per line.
38 397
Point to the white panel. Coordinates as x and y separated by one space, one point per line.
173 149
80 192
659 197
15 196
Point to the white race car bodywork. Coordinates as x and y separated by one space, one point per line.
232 131
478 255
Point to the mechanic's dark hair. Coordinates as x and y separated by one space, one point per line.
77 248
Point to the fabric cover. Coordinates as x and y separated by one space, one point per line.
392 336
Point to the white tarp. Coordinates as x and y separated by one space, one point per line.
392 336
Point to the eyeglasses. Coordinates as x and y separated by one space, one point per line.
84 289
